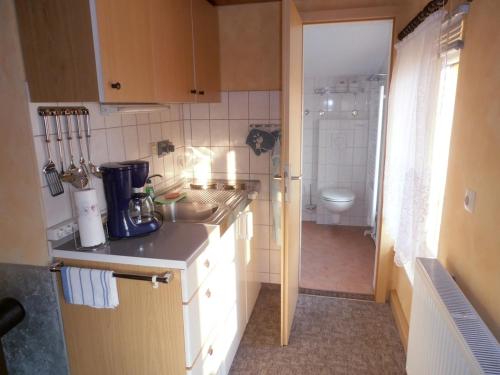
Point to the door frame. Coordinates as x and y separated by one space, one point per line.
383 250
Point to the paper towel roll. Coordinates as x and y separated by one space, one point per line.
89 218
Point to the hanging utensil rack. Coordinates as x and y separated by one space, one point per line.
165 278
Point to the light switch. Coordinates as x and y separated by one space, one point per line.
470 200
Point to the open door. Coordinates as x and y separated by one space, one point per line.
291 163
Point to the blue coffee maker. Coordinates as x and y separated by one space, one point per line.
123 183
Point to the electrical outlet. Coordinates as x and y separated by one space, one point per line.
59 231
470 200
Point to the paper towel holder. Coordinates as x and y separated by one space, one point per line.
80 247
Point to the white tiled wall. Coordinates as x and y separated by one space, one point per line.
114 137
210 143
215 136
336 145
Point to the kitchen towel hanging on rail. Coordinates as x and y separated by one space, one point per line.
90 287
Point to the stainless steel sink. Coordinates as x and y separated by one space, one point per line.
190 212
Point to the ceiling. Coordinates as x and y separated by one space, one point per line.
347 48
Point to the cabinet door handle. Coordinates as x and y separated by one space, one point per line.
201 92
116 85
210 350
193 91
208 293
207 263
296 178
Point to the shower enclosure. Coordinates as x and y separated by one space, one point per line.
343 119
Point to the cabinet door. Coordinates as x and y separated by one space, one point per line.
206 51
173 50
125 50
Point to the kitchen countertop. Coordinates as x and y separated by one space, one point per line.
175 245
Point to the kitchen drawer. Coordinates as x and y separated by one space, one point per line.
218 353
218 250
208 307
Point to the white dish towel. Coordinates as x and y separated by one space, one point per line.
90 287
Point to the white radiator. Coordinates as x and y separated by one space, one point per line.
447 336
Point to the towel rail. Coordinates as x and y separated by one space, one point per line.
155 279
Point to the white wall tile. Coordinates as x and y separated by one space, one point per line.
116 150
200 133
259 164
186 111
238 132
96 118
242 159
264 185
99 147
219 159
57 209
156 132
275 261
129 119
154 117
262 261
274 278
219 133
258 104
200 111
275 105
165 114
144 140
113 120
261 215
130 140
142 118
261 237
220 110
238 105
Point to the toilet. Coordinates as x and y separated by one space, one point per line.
337 200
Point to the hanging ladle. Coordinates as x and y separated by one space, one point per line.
80 179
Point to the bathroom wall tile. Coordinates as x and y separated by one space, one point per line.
238 105
200 133
359 173
258 104
116 150
219 133
130 140
238 132
219 111
200 111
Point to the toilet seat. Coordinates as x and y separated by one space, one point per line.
337 195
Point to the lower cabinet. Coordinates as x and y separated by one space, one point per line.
192 325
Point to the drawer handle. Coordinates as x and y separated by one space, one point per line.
193 91
208 293
116 85
201 92
210 351
207 263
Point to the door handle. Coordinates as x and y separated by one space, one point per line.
296 178
277 177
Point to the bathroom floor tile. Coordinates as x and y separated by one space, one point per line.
336 258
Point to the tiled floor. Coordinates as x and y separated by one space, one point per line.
329 336
336 258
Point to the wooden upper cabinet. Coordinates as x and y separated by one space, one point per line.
173 50
206 51
125 50
120 51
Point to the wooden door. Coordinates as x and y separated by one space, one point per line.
291 163
125 50
172 35
206 51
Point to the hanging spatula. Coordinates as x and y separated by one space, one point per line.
49 169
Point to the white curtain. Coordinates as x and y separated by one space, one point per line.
413 99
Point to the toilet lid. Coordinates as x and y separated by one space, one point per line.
337 195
